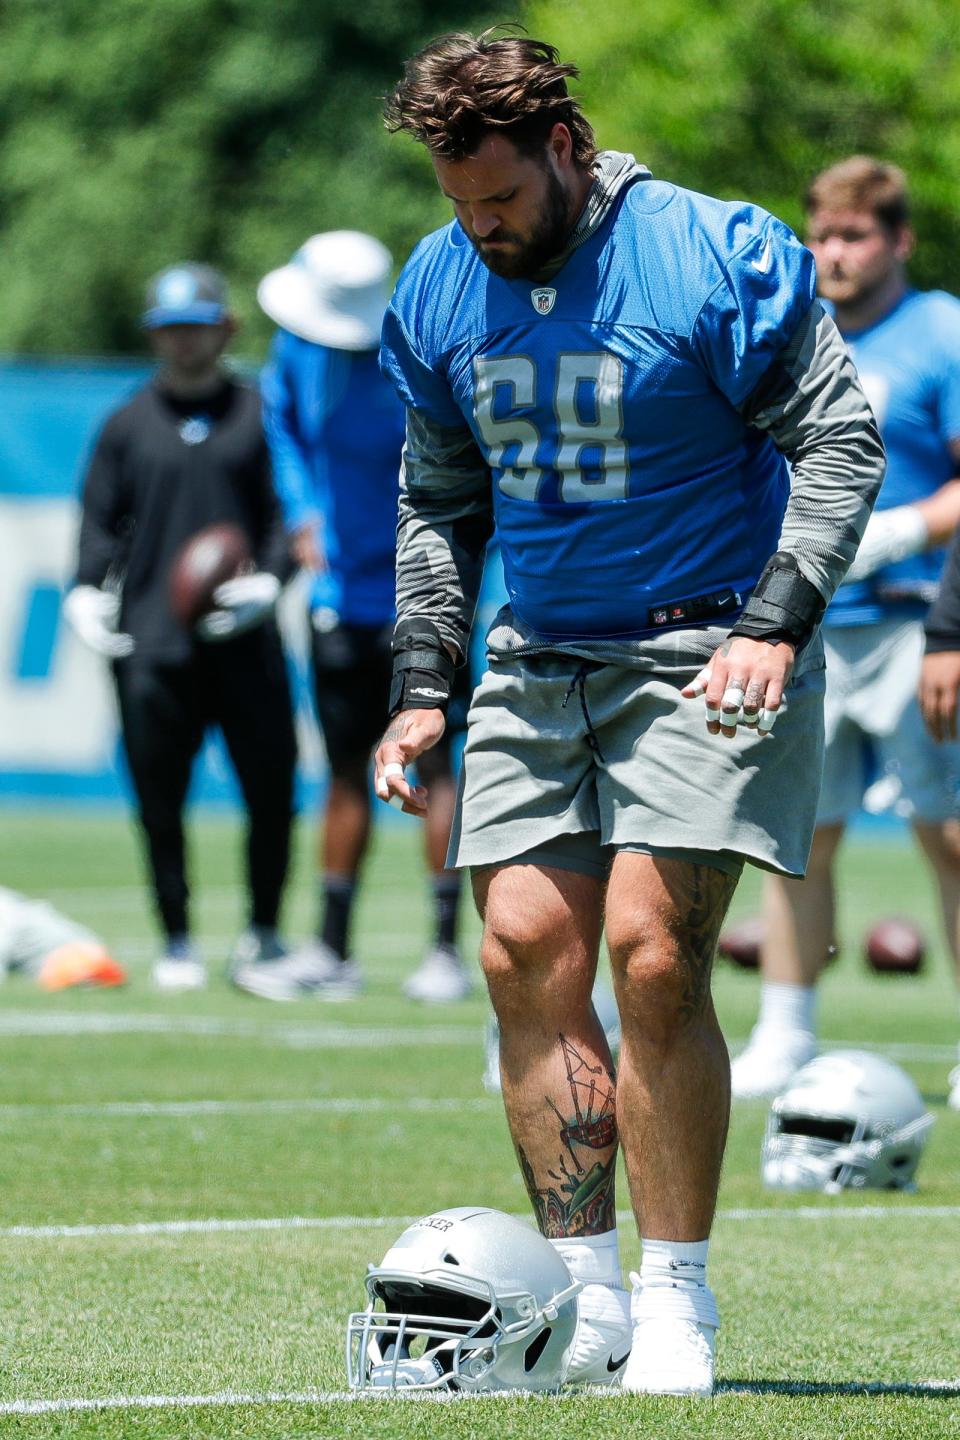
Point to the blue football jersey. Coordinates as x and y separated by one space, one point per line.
335 429
909 367
605 402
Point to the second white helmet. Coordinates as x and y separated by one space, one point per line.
848 1120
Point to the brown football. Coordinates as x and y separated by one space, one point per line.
895 947
741 942
204 561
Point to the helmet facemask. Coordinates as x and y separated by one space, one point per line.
813 1145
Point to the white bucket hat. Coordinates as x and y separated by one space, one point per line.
334 291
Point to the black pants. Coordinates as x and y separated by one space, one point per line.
352 666
240 685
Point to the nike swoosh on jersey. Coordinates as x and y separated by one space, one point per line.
763 264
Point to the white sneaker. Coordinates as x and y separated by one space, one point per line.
179 968
602 1341
953 1099
769 1062
440 978
674 1339
670 1356
314 970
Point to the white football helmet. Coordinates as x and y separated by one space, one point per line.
466 1299
848 1120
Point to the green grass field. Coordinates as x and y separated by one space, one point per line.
143 1138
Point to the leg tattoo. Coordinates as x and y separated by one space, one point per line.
581 1199
701 895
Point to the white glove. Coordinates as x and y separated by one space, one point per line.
891 535
93 614
243 603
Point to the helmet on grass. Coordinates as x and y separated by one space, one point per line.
848 1120
466 1299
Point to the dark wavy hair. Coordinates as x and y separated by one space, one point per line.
460 88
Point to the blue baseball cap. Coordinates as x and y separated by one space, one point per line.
186 294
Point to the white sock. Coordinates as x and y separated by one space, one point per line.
673 1282
785 1007
674 1264
594 1259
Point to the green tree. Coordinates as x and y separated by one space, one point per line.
133 135
749 98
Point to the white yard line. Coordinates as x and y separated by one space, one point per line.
332 1105
223 1398
37 1024
34 1024
214 1226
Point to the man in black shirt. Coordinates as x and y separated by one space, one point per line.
185 452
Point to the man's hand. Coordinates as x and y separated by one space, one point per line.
407 736
93 615
939 685
305 548
242 604
743 684
891 535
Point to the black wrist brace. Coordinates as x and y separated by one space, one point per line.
783 606
422 668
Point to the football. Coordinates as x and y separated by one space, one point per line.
204 561
741 942
895 947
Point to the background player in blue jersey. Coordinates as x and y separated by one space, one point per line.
612 373
906 347
335 429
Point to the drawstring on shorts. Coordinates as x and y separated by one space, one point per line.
577 683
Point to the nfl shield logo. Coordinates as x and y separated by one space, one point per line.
543 299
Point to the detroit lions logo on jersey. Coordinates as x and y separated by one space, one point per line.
195 430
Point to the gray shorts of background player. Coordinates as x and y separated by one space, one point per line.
352 666
875 736
576 759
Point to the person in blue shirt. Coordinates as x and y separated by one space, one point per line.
906 346
335 431
636 389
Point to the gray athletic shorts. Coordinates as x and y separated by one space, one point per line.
878 752
555 767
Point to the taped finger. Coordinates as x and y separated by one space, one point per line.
766 720
392 767
711 714
699 684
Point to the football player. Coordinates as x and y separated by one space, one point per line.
618 377
335 429
187 451
906 346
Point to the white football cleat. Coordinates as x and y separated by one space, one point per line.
179 968
313 971
953 1099
602 1341
670 1356
674 1340
440 979
769 1062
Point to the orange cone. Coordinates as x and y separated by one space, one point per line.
80 962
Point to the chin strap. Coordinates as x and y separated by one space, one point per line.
784 605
